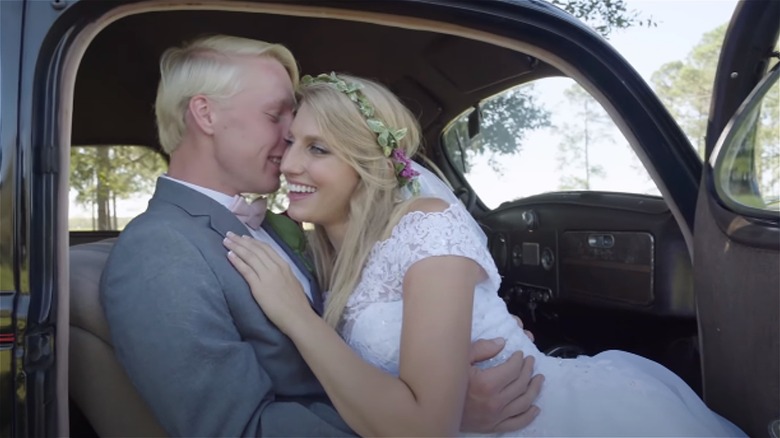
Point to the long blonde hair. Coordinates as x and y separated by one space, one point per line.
375 205
206 66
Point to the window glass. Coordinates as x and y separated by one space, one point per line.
109 185
547 135
748 165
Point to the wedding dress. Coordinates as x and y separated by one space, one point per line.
613 393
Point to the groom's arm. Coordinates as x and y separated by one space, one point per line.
174 334
500 399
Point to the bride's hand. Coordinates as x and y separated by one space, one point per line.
270 279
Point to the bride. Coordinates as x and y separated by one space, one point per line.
411 284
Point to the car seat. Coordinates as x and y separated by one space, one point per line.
98 384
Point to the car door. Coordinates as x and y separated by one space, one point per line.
32 53
736 235
10 45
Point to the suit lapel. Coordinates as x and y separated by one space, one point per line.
316 296
222 220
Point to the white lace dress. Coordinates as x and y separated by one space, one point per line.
611 394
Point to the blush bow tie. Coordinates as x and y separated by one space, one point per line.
250 214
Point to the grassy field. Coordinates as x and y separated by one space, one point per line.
86 223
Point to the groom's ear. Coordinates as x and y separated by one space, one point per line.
201 110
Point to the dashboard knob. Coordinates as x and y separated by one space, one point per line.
530 219
548 259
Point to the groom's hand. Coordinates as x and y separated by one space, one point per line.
500 399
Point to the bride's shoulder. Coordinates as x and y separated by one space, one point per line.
427 205
423 210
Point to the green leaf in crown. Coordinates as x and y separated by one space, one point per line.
387 138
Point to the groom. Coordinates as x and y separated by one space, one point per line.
183 322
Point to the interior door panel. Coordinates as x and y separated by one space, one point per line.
737 250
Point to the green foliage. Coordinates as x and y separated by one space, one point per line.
508 117
6 237
768 148
505 120
685 87
604 16
589 126
101 175
754 174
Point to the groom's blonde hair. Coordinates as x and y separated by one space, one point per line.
375 204
206 66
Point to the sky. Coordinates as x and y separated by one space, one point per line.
681 23
538 167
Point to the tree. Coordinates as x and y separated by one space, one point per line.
509 116
588 127
505 120
604 16
754 175
686 86
101 175
768 147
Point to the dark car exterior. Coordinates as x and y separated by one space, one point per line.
46 67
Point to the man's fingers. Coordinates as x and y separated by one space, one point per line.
520 385
513 384
521 393
521 410
509 371
517 422
484 349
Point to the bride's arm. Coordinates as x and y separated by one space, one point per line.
427 398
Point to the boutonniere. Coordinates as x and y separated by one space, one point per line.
292 234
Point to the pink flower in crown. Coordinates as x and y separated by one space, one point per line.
400 157
405 172
408 173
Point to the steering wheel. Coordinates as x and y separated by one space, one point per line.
470 197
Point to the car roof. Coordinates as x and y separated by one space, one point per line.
438 75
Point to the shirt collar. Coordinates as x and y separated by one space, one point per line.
224 199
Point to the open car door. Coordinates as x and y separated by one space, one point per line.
736 233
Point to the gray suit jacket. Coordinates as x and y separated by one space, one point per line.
192 339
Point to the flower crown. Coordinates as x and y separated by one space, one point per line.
387 138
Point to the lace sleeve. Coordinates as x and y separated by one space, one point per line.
420 235
417 236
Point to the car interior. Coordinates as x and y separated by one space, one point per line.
585 270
